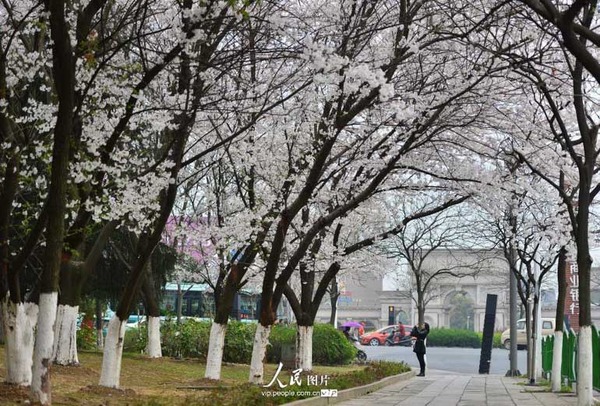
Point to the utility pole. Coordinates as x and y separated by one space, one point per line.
514 368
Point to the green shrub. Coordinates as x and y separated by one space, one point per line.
448 337
250 394
190 340
497 340
330 346
279 336
135 339
186 340
86 337
375 371
239 340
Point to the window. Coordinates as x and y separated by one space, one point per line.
547 325
521 325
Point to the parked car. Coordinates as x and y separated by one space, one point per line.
378 337
547 329
134 321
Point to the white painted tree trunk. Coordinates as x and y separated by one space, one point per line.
214 357
304 347
259 350
19 322
113 353
100 339
42 351
584 367
153 347
557 361
64 350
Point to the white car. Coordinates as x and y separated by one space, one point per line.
134 321
547 329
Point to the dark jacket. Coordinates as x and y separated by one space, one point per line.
420 335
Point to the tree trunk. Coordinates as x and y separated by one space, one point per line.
179 302
266 320
99 325
64 350
305 311
304 347
420 310
584 367
42 351
333 299
113 353
259 350
560 315
223 305
584 264
536 351
19 321
528 332
215 350
72 277
63 73
153 347
557 361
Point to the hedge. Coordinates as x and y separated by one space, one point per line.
190 340
448 337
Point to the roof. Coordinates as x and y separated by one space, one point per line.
201 287
194 287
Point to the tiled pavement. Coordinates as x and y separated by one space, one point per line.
447 389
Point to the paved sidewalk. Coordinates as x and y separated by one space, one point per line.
441 388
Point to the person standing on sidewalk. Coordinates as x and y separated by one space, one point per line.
419 333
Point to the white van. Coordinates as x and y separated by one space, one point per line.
547 329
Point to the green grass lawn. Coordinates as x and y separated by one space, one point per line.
169 381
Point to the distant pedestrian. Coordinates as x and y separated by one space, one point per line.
361 329
346 332
420 332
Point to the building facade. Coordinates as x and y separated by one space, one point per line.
483 273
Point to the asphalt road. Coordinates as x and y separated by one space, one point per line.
457 360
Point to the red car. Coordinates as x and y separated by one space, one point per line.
378 337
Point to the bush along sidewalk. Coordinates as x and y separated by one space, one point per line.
248 394
189 339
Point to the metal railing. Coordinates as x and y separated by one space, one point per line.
569 357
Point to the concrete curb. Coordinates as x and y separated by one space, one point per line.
352 393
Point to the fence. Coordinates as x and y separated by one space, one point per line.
569 356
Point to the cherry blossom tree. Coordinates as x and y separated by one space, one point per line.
210 91
121 92
535 231
353 121
315 276
19 318
98 53
560 83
